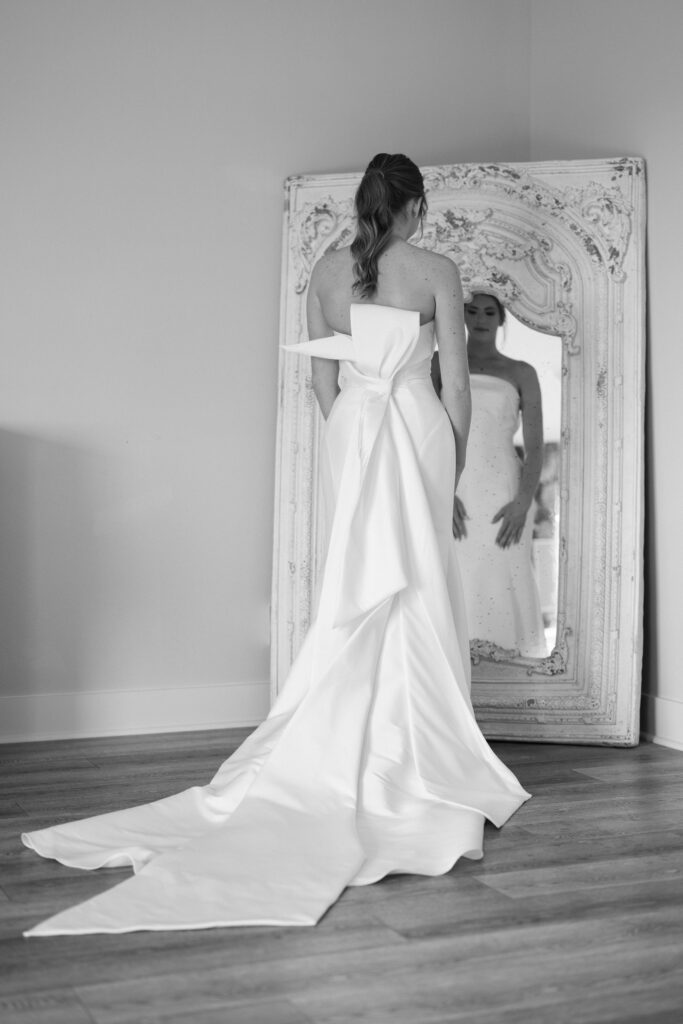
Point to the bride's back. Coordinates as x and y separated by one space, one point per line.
405 281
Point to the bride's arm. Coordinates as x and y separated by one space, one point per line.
531 405
455 376
324 372
514 513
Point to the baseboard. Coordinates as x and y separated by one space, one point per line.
663 721
59 716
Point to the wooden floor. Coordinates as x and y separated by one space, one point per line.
574 915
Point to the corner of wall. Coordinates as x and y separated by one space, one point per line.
662 721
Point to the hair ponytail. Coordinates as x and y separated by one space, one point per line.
389 182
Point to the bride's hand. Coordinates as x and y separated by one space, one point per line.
459 517
514 517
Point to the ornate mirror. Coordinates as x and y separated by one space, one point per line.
562 244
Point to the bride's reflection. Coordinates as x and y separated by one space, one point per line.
505 507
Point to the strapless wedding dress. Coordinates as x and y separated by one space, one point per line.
370 760
503 603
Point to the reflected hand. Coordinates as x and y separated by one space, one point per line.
459 517
514 517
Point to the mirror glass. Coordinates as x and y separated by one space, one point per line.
544 352
512 592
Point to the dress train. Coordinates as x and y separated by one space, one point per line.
370 761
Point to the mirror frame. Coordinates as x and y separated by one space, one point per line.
564 244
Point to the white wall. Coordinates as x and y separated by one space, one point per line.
144 146
607 80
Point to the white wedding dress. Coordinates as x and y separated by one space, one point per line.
370 760
501 592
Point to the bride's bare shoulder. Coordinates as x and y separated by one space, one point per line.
330 265
440 273
438 263
333 259
432 262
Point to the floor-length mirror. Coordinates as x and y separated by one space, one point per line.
562 247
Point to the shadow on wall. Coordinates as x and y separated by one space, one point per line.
48 566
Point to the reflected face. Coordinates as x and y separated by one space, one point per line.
482 318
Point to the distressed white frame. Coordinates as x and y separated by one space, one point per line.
564 243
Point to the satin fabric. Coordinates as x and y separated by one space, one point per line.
370 760
503 603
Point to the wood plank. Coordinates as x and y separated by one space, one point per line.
269 1012
633 1004
619 821
669 770
23 868
104 794
65 886
475 911
11 829
427 976
555 753
52 777
634 786
80 959
44 1008
11 809
639 1002
529 851
596 803
591 874
36 763
536 986
134 743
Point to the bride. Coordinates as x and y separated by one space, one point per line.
370 761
